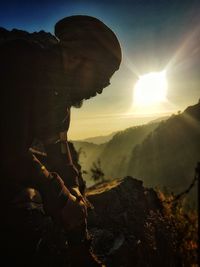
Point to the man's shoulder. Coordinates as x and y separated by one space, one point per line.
24 39
22 48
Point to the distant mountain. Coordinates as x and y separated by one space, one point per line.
115 154
168 155
160 119
162 153
106 138
99 139
88 153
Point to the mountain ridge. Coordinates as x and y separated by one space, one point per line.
168 156
161 154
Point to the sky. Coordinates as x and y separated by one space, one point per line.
155 35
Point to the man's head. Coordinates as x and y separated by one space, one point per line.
91 54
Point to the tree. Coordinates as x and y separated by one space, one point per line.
96 172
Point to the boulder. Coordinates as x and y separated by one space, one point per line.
129 227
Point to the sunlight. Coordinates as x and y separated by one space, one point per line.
150 89
187 49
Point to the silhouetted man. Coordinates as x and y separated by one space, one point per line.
40 80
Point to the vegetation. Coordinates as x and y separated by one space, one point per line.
185 224
96 172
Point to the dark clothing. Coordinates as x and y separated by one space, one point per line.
33 105
30 78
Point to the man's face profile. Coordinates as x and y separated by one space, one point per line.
87 77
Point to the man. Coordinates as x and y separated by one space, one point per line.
40 81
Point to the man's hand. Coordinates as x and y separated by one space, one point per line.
67 206
74 213
76 192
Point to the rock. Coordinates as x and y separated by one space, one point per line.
128 225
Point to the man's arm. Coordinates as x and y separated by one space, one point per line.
64 207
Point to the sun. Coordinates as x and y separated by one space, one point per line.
150 89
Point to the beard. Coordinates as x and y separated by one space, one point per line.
77 104
77 96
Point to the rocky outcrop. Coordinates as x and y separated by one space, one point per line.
129 226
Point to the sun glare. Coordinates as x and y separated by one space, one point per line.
150 89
